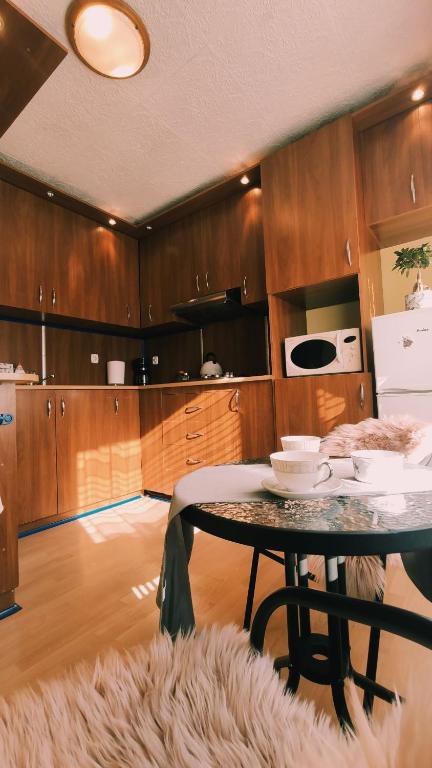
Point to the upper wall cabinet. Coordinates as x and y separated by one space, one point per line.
310 209
56 261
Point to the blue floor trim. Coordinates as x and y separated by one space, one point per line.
64 520
10 611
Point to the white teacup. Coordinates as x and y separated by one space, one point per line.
377 466
300 443
300 470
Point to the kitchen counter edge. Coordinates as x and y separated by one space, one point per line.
170 385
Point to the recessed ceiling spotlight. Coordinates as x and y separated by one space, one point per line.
112 222
149 226
244 180
50 194
108 36
418 94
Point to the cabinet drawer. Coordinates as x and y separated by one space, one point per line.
192 432
179 460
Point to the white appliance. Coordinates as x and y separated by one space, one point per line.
320 353
402 344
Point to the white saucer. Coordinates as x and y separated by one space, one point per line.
325 489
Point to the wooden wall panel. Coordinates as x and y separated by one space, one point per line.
239 346
20 343
177 352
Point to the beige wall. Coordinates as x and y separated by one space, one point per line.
395 286
334 317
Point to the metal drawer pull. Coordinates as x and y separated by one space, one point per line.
362 395
244 286
149 313
128 312
413 188
193 435
40 294
53 297
192 408
193 461
197 283
62 406
235 402
206 279
116 405
348 252
49 407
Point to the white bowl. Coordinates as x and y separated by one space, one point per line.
300 470
377 466
300 443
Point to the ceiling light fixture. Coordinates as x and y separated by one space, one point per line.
418 94
112 222
244 180
108 36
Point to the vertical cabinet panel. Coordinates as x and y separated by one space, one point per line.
310 209
8 495
36 454
248 238
315 405
151 439
125 444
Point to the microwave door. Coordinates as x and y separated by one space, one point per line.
308 356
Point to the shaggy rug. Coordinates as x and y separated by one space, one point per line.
203 702
394 433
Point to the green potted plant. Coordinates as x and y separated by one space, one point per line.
415 258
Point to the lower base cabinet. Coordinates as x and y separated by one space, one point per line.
8 496
314 405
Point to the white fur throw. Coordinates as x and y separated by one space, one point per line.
393 433
203 702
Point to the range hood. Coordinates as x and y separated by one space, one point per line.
223 305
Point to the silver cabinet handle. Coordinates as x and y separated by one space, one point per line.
62 406
206 280
53 297
192 408
193 435
116 405
413 188
244 286
197 283
128 312
193 461
49 407
150 313
235 402
348 252
362 395
40 294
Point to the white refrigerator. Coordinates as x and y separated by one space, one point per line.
402 344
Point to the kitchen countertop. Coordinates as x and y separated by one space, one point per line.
173 384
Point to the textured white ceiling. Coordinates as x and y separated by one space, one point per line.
226 80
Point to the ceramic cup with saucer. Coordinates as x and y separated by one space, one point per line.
377 466
300 443
300 470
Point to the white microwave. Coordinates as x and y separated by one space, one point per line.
319 353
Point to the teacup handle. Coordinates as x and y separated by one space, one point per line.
330 473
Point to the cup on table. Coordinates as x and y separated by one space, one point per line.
377 466
300 443
300 470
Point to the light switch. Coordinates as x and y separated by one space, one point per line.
155 360
94 358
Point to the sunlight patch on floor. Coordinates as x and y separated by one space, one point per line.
126 519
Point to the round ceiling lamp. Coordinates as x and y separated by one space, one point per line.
108 36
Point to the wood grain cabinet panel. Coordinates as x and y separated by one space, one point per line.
310 209
125 444
8 495
314 405
36 454
151 439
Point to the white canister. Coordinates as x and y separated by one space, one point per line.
116 371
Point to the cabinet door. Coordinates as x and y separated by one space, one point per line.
392 167
26 247
223 428
36 454
156 280
118 255
125 444
257 419
248 238
310 209
218 260
314 405
151 440
84 433
8 495
425 116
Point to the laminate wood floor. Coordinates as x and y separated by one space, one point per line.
91 584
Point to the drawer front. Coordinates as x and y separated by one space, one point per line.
188 430
180 460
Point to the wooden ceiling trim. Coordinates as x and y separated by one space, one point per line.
396 101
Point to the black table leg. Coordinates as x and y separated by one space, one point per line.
372 659
251 589
337 645
292 628
303 581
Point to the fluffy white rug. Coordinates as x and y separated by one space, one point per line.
411 437
204 702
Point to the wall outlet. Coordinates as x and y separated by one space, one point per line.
155 360
94 358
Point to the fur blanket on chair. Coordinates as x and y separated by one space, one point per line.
393 433
202 702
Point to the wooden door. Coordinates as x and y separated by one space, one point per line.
218 260
8 495
392 166
116 259
26 240
257 419
151 439
125 444
310 209
314 405
156 279
36 454
84 432
247 238
223 428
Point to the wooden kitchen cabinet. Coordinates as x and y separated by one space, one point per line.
8 494
248 238
314 405
36 454
310 209
125 444
151 439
